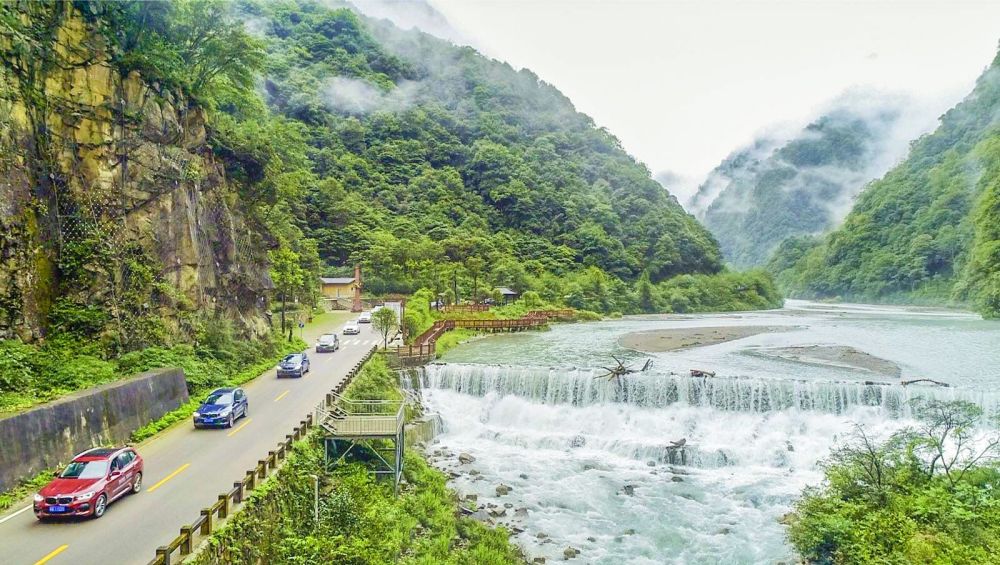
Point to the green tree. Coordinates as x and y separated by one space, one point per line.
287 275
384 320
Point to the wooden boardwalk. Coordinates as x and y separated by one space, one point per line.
423 349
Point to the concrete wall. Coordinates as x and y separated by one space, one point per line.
53 433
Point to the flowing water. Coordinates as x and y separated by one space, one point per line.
529 409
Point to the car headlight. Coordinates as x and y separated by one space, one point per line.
38 497
197 414
84 496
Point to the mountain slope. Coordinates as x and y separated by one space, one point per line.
438 162
927 230
805 182
118 224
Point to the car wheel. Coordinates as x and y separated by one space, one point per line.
100 506
229 422
136 484
246 409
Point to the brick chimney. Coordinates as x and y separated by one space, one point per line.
356 307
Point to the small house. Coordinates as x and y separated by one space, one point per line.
342 287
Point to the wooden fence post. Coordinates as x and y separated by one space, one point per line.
224 507
186 545
206 525
164 552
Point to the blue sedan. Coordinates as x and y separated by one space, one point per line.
221 408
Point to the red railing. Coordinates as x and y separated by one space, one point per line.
465 308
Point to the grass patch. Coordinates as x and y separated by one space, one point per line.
25 487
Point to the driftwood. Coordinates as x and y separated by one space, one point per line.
932 381
700 373
616 373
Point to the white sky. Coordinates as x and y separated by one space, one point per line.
683 83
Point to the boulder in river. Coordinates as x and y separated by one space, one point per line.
628 489
465 458
570 553
503 489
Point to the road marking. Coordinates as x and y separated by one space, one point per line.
168 477
240 427
55 552
280 396
21 511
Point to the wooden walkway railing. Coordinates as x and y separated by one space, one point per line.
423 348
465 308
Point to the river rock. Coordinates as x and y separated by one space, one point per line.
538 560
651 463
541 535
677 479
465 458
723 532
591 539
523 476
508 505
473 472
628 489
578 441
570 553
521 512
629 532
471 497
503 489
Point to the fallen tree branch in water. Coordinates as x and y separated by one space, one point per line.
932 381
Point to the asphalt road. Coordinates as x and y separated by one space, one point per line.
185 470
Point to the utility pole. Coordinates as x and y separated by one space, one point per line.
315 501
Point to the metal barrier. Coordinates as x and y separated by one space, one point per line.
207 522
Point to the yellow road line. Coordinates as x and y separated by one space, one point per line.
280 396
240 427
55 552
168 477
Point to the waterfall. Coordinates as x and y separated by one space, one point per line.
583 387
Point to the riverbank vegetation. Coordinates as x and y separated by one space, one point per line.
924 495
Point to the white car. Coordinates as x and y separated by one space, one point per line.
352 328
365 318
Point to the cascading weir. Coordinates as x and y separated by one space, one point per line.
580 387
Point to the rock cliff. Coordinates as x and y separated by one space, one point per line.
114 211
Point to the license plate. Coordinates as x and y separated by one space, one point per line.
57 509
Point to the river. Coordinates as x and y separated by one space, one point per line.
589 461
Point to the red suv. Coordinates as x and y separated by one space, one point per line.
94 479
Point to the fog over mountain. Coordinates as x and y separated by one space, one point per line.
803 180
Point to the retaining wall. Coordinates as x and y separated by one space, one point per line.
52 433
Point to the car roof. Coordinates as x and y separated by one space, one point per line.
97 454
223 390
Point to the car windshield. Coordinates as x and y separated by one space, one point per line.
220 398
85 470
293 359
327 338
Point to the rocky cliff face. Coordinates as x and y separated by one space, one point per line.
113 209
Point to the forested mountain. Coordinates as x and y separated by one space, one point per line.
928 230
169 164
802 182
426 159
